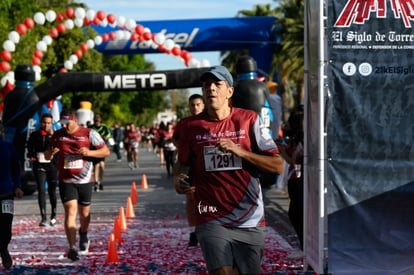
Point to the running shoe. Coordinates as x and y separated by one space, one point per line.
6 259
83 241
52 222
43 222
73 254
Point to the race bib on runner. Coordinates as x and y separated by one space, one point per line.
41 157
73 162
7 207
216 160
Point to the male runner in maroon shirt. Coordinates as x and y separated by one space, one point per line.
226 148
76 145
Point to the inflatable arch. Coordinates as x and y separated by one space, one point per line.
24 100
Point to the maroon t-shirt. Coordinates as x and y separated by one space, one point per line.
73 167
228 190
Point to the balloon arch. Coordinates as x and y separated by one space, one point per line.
124 29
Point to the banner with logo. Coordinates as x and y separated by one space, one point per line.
257 34
370 151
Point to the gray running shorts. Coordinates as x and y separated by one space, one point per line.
241 248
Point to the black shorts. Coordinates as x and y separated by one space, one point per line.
97 160
74 191
241 248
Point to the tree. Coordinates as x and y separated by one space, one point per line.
136 107
288 57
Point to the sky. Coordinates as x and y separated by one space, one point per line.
174 9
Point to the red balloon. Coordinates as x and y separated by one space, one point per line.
53 32
134 36
86 21
111 18
21 29
63 70
112 35
70 13
36 61
161 48
5 66
29 23
139 29
96 21
6 55
38 54
147 35
176 51
84 47
186 55
105 37
100 15
61 28
60 17
78 53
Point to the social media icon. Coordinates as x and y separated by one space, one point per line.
349 68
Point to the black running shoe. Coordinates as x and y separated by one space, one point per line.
6 259
73 254
193 239
83 241
43 222
101 186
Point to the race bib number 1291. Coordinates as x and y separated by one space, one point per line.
215 160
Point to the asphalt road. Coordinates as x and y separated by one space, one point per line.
159 199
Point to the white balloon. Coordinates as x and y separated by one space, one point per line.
68 65
104 22
90 43
50 15
120 21
74 59
69 24
80 13
78 22
194 63
8 45
10 74
47 39
41 45
37 69
205 63
153 45
98 40
37 76
169 44
39 18
159 38
147 30
131 24
90 14
119 35
127 35
3 81
14 36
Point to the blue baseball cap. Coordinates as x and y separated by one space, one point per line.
219 72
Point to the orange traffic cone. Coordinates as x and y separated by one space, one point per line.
129 209
117 230
144 184
112 253
134 193
122 220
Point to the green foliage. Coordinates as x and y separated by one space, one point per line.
138 107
